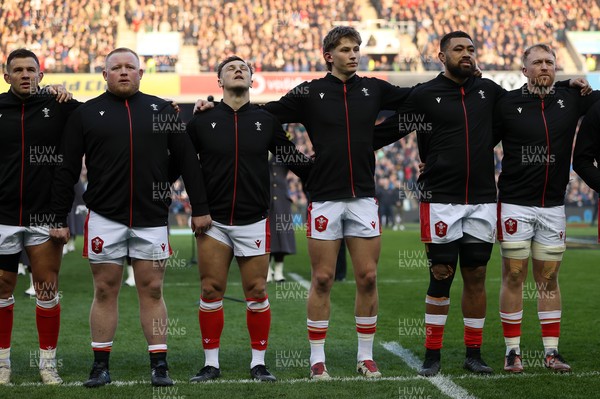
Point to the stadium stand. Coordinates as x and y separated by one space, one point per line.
72 36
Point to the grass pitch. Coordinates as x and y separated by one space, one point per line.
403 282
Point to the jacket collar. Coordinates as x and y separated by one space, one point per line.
333 79
227 108
447 81
14 98
119 98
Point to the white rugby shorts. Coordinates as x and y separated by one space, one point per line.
443 223
247 240
14 238
107 241
333 220
524 223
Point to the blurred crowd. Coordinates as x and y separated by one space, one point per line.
501 29
67 36
286 36
72 36
273 35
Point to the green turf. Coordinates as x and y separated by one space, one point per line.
402 286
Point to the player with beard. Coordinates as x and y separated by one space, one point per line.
457 190
537 123
128 195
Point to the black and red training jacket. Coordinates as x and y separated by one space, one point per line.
127 143
30 130
339 118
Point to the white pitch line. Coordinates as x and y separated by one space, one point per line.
336 379
444 384
584 374
227 381
441 382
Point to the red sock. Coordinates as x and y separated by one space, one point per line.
551 330
6 324
511 324
211 319
434 330
258 319
550 321
317 330
473 332
473 337
433 336
48 325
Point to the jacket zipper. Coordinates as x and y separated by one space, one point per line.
22 165
348 136
548 158
235 169
462 92
130 165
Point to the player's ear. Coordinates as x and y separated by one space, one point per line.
328 57
219 82
442 57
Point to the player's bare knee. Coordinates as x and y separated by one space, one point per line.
212 289
474 288
474 275
322 282
367 281
154 290
105 292
256 289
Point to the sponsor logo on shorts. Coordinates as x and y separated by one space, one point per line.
373 224
321 223
163 246
257 242
441 229
511 225
97 244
